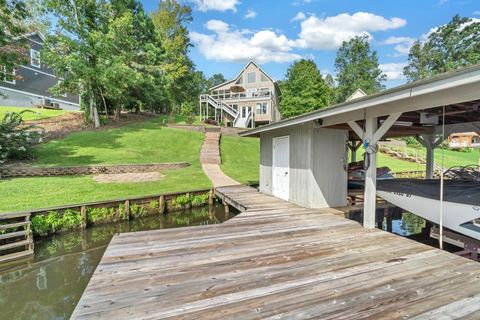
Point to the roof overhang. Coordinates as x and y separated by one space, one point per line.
450 88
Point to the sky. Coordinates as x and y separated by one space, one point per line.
228 33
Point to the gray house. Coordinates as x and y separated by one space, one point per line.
29 84
304 159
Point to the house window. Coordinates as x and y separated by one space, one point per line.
262 108
251 77
7 74
264 78
35 58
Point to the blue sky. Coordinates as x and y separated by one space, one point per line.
227 33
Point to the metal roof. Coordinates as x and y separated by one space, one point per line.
439 82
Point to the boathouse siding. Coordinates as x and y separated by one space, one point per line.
312 149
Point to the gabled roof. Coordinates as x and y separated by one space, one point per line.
428 86
240 73
357 94
33 33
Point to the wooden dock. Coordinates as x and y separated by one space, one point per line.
276 260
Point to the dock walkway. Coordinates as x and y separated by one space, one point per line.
277 260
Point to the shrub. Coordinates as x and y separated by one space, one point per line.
137 211
181 201
40 225
190 119
122 213
103 120
99 215
71 220
54 221
200 200
16 138
153 204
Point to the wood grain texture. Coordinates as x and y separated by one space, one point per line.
277 260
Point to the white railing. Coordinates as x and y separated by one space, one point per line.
219 105
243 95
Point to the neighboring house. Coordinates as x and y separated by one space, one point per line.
29 84
464 140
248 100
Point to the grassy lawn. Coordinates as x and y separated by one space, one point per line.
451 158
240 158
180 120
136 143
36 114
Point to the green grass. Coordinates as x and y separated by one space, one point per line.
36 114
178 119
451 157
240 158
143 142
136 143
28 193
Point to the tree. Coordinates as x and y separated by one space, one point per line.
13 14
170 21
303 90
357 68
215 80
96 62
452 46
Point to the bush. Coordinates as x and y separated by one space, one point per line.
200 200
71 220
103 120
40 225
16 138
100 215
153 204
190 119
137 211
54 222
181 201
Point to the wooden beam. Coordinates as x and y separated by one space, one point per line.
356 128
370 197
385 126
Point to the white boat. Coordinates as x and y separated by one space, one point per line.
461 205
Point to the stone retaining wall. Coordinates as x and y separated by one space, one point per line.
12 172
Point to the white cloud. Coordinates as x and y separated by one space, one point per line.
216 5
230 44
402 45
301 2
250 14
394 71
299 17
330 32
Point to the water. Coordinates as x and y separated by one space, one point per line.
50 286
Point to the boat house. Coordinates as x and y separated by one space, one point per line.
305 159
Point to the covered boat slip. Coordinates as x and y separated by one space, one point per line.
429 110
277 260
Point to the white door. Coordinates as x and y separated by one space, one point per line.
281 167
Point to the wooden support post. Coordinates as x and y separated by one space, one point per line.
127 209
161 204
189 205
29 234
370 198
211 197
353 146
430 142
389 221
226 207
83 217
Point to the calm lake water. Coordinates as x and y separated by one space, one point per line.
50 286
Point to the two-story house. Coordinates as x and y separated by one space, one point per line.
28 85
248 100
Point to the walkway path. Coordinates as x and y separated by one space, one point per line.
277 260
211 159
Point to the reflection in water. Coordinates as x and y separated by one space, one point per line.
50 286
408 225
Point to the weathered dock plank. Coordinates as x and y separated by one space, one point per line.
276 260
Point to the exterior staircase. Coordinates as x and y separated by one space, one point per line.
229 110
210 153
